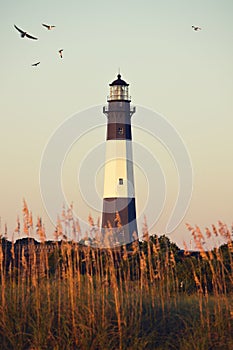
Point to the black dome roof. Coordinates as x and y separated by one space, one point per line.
119 81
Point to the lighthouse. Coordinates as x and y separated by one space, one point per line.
119 209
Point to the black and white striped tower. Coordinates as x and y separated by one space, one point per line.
119 195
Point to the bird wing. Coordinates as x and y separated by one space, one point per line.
35 64
45 25
31 37
20 30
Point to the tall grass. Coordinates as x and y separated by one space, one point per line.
147 295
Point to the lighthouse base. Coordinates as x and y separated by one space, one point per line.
119 220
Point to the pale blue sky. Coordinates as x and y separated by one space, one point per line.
184 75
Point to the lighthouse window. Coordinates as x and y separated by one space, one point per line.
120 131
120 181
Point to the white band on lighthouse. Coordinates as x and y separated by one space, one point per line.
118 175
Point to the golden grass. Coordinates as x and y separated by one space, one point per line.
146 295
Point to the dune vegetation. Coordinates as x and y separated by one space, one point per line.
146 295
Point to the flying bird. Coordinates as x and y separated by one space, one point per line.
49 27
196 28
35 64
60 52
23 34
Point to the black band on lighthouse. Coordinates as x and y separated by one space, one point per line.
119 131
125 208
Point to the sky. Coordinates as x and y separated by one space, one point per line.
182 75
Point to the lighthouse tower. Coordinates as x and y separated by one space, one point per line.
119 211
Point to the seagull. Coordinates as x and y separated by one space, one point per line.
23 34
196 28
49 27
35 64
60 52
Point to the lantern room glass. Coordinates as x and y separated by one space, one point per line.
119 92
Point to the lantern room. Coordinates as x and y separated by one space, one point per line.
119 90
